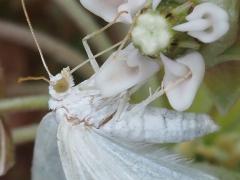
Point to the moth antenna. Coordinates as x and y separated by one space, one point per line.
97 55
35 38
30 78
129 33
87 48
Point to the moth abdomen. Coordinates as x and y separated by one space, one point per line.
157 125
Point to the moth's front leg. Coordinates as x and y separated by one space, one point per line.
111 111
99 122
63 114
46 160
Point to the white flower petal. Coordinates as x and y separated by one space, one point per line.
208 9
207 23
124 71
182 96
135 6
155 3
105 9
109 9
126 17
193 25
217 32
172 68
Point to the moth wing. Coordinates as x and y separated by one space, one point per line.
153 161
83 158
87 155
46 159
175 162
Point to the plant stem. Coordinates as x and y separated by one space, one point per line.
24 134
24 103
61 52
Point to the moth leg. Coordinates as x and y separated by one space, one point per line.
129 33
122 105
61 113
97 123
115 117
89 36
152 97
162 89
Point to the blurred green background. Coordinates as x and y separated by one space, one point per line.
60 25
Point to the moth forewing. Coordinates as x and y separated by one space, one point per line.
46 159
86 155
6 149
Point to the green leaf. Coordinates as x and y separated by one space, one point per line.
219 172
232 53
24 103
230 121
213 50
202 103
223 82
153 83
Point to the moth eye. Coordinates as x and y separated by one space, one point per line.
61 86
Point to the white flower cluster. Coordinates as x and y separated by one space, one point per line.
108 9
207 23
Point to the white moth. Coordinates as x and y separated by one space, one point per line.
94 144
105 138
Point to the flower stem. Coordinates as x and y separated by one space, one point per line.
24 134
61 52
24 103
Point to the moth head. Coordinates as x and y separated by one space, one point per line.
61 83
